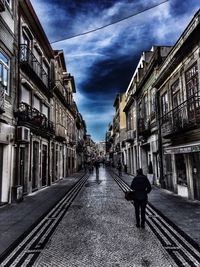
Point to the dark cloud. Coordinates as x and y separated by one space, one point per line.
104 61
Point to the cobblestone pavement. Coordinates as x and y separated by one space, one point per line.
99 230
17 218
182 212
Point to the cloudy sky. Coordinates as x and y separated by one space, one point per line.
103 62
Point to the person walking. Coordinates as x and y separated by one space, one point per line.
141 187
97 165
119 167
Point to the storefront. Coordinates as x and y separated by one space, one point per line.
185 169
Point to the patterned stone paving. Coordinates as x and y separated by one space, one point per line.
99 230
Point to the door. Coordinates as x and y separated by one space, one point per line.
22 162
35 165
1 168
196 174
53 162
44 165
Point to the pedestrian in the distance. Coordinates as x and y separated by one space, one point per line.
97 165
119 167
141 187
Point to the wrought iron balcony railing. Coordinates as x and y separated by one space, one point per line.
186 116
27 57
2 98
34 118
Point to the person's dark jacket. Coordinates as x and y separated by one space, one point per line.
141 187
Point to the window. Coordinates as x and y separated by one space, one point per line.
145 101
45 110
191 77
9 3
153 101
4 71
164 103
130 120
25 95
36 103
175 90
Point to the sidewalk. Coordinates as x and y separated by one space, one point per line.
17 218
182 212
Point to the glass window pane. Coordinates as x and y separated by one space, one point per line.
25 95
1 72
3 59
45 110
36 103
5 77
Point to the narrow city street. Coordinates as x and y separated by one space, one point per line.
93 225
99 230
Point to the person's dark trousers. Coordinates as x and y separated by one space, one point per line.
140 205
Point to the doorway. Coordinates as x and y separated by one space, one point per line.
196 174
35 165
44 165
1 169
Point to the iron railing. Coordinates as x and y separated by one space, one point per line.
184 117
2 98
34 118
27 56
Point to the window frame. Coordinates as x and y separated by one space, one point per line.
4 66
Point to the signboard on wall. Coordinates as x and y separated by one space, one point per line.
182 150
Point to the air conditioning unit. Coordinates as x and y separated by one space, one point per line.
2 5
23 134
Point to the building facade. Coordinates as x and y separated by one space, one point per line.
8 87
178 94
41 129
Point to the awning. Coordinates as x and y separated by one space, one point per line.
181 149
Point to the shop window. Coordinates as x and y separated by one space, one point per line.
4 71
181 169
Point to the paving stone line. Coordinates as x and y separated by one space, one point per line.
38 237
184 253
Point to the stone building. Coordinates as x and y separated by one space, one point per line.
8 78
119 130
34 127
141 114
179 102
63 116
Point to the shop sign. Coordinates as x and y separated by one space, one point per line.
182 150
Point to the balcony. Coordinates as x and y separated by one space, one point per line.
30 64
131 135
183 118
143 127
2 98
32 118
